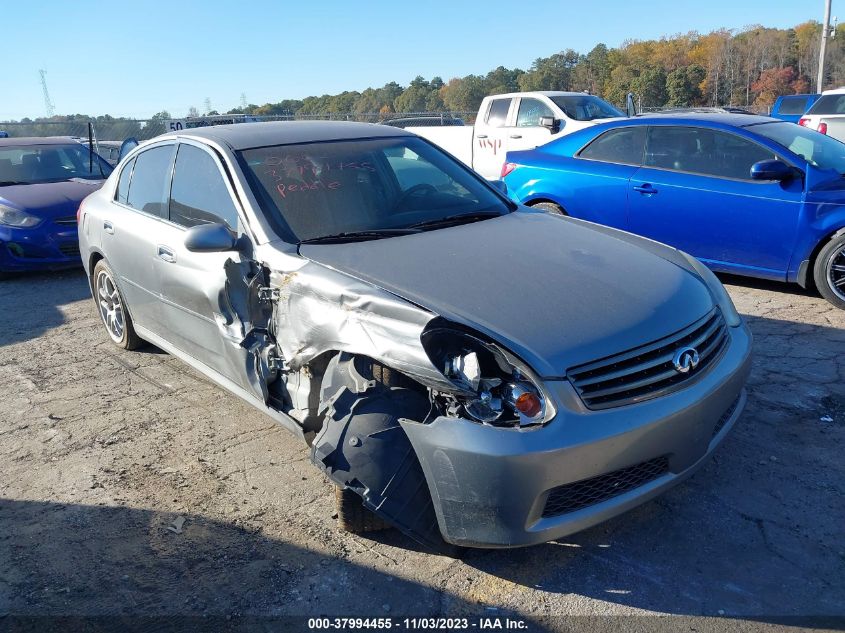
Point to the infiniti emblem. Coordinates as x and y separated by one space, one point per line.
685 360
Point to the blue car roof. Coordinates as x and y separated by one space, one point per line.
725 118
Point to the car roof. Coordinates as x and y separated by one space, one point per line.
727 118
545 93
37 140
261 134
834 91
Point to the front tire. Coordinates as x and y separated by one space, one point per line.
550 207
112 308
352 516
829 271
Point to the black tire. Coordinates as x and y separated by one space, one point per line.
125 335
550 207
829 271
352 516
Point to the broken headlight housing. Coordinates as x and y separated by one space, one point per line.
491 386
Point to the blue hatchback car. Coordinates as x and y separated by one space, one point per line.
745 194
42 182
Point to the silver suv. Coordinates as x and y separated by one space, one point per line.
464 369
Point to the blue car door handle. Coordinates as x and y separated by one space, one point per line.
166 254
107 227
645 189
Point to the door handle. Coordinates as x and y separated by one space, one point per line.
166 254
516 135
646 189
108 227
480 136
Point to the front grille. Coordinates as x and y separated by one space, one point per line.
69 249
725 417
648 372
68 220
580 494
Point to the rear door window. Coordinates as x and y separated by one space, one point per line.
703 151
199 194
122 192
497 115
151 180
622 145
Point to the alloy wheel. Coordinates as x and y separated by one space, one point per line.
111 309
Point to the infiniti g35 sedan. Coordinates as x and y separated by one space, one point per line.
745 194
472 372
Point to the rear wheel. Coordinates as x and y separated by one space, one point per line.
112 308
549 207
829 271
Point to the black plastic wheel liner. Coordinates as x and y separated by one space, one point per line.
362 446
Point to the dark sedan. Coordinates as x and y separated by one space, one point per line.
42 183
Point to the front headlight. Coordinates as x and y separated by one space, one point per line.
720 295
491 385
17 218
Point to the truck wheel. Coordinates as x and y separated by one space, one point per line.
550 207
112 308
352 516
829 271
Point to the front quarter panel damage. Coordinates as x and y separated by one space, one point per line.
321 310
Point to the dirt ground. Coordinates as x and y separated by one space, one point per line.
129 485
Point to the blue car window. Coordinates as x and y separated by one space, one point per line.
703 151
530 112
793 105
198 194
817 149
622 145
150 180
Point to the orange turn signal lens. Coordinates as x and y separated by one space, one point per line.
528 404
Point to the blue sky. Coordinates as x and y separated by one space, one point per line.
137 59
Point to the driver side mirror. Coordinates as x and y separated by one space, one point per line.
210 238
550 123
771 170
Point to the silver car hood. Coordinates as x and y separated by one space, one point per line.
557 292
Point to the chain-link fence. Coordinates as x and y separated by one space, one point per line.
114 129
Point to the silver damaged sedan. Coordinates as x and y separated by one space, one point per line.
471 372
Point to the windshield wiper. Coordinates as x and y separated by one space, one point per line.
458 218
4 183
353 236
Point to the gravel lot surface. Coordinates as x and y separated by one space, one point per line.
131 485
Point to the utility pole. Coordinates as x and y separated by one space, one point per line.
825 35
48 105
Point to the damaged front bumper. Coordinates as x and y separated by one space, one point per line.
495 487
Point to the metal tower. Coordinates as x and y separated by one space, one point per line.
48 104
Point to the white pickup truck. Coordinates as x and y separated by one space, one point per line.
515 121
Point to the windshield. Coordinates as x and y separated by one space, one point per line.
817 149
326 189
586 107
33 164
